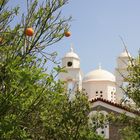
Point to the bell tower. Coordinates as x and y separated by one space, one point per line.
121 73
72 76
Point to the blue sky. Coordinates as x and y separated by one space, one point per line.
96 27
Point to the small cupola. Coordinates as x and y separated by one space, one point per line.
71 59
71 54
123 59
125 54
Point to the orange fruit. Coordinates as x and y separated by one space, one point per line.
29 31
67 34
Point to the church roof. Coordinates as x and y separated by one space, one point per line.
115 105
99 75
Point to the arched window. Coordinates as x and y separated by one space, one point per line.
113 96
101 94
70 85
96 94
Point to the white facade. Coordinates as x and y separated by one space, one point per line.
72 76
98 83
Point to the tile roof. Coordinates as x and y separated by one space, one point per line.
116 105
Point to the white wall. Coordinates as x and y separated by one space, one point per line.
106 87
122 62
71 74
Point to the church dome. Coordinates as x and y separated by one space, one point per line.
124 54
72 54
99 75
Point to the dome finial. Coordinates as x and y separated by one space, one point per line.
99 66
71 47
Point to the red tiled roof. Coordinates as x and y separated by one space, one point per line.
116 105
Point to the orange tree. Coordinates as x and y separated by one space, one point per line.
33 105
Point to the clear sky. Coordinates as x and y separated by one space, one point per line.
96 27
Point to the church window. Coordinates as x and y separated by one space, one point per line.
69 64
96 93
102 132
70 86
101 94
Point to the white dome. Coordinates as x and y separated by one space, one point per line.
125 54
72 54
99 75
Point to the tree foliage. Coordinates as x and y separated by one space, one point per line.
129 126
132 131
133 88
33 104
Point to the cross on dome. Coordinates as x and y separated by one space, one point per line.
99 66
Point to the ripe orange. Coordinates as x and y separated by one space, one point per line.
67 34
29 31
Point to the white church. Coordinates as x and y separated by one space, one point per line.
102 87
98 83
